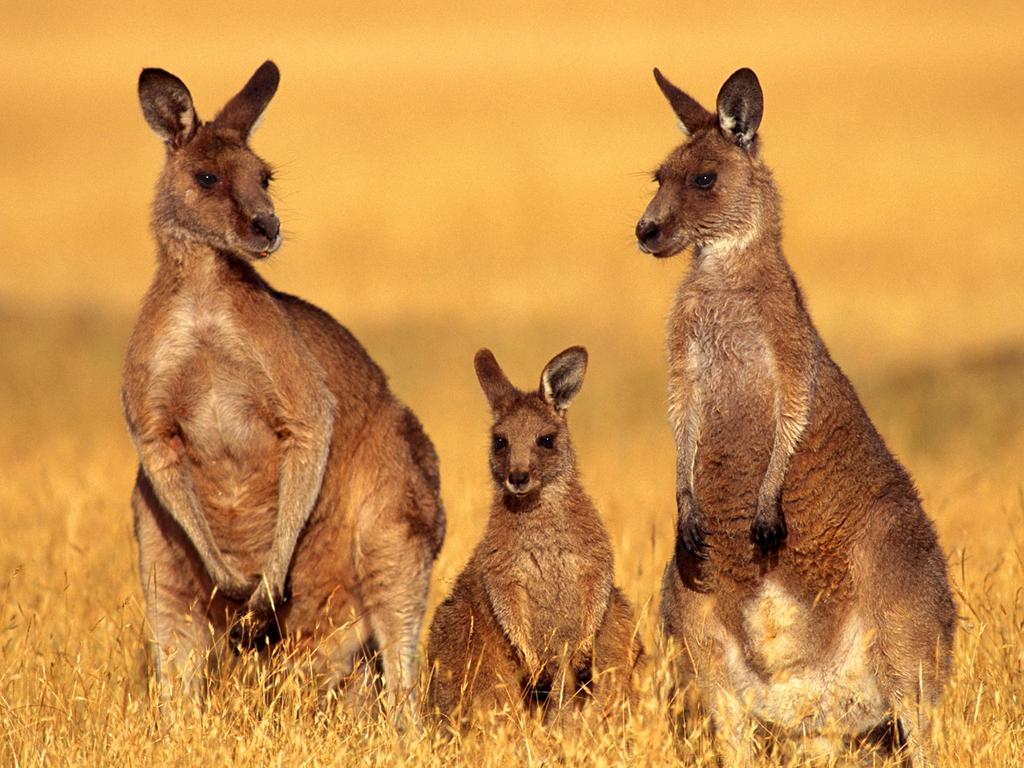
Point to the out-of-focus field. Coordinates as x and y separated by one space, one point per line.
453 179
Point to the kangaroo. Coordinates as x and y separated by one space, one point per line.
534 617
807 587
279 478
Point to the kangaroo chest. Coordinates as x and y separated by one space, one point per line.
724 381
547 598
218 393
727 357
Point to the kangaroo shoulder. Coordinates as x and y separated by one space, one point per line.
345 360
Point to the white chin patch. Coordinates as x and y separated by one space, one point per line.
725 246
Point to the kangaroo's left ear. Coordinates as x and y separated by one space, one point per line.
562 378
740 107
244 109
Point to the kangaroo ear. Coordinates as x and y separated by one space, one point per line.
497 388
167 107
244 109
691 114
740 107
562 378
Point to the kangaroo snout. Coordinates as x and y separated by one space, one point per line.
266 225
518 481
647 233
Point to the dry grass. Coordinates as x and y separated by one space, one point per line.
455 181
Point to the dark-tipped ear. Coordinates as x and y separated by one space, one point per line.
740 107
562 378
691 114
497 388
167 107
244 109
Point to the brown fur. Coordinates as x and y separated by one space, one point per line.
808 588
279 478
534 615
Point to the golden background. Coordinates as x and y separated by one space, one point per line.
451 176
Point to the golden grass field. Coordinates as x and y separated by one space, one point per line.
453 179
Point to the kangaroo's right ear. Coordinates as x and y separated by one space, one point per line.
496 386
691 114
243 111
167 107
562 378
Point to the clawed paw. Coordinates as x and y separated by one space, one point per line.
690 535
690 532
769 529
257 625
238 591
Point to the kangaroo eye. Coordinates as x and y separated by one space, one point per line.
206 180
546 441
499 443
267 178
705 180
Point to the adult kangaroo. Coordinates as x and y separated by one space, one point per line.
807 587
279 479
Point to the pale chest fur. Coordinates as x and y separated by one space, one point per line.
206 372
721 361
548 593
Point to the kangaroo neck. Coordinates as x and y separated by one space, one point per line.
547 502
744 262
199 267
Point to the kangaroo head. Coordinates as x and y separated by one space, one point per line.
530 445
711 189
213 189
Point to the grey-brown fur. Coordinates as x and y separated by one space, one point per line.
534 614
277 471
808 588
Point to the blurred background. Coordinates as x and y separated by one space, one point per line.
451 176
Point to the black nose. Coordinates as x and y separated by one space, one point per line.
647 231
518 479
266 225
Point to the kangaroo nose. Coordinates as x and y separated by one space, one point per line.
267 225
647 231
518 479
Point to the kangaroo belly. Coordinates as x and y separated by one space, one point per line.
541 599
554 626
797 665
734 444
234 457
734 372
